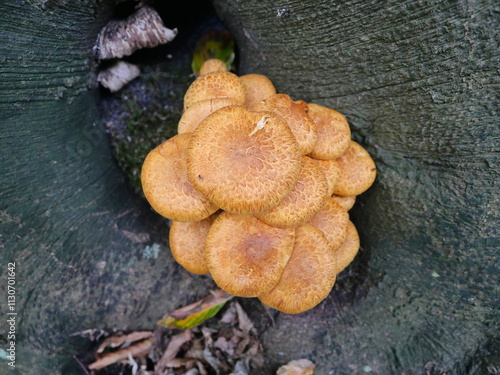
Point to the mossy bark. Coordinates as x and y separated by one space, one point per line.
418 82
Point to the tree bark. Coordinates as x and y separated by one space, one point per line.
418 82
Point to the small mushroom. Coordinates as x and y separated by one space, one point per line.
358 171
307 197
346 202
187 242
213 65
332 222
346 253
331 170
334 133
197 112
258 87
242 161
245 256
143 29
295 114
166 186
215 85
308 276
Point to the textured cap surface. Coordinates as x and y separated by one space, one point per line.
332 221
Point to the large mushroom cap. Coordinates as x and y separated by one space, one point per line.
242 161
308 276
187 242
346 202
215 85
295 114
306 198
358 171
166 186
332 222
333 129
245 256
346 253
257 87
197 112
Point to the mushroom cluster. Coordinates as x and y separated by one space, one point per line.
258 188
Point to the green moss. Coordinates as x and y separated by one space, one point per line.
145 115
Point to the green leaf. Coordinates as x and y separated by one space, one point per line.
213 45
190 316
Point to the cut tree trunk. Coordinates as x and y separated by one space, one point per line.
418 82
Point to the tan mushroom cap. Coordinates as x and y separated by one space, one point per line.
307 197
215 85
358 171
197 112
187 242
166 186
334 133
308 276
245 256
295 114
213 65
258 87
331 170
346 202
332 222
346 253
242 161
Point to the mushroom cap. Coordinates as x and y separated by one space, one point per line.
346 202
242 161
215 85
308 276
245 256
358 171
334 133
331 170
346 253
187 242
332 222
305 199
197 112
295 114
166 186
213 65
258 87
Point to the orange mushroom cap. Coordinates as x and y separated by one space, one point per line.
197 112
308 276
331 170
295 114
245 256
215 85
213 65
332 221
242 161
334 133
346 202
307 197
257 87
187 242
346 253
166 186
358 171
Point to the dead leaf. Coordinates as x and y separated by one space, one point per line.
120 339
136 350
190 316
244 321
297 367
173 348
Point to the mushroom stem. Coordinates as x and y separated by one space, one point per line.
260 125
